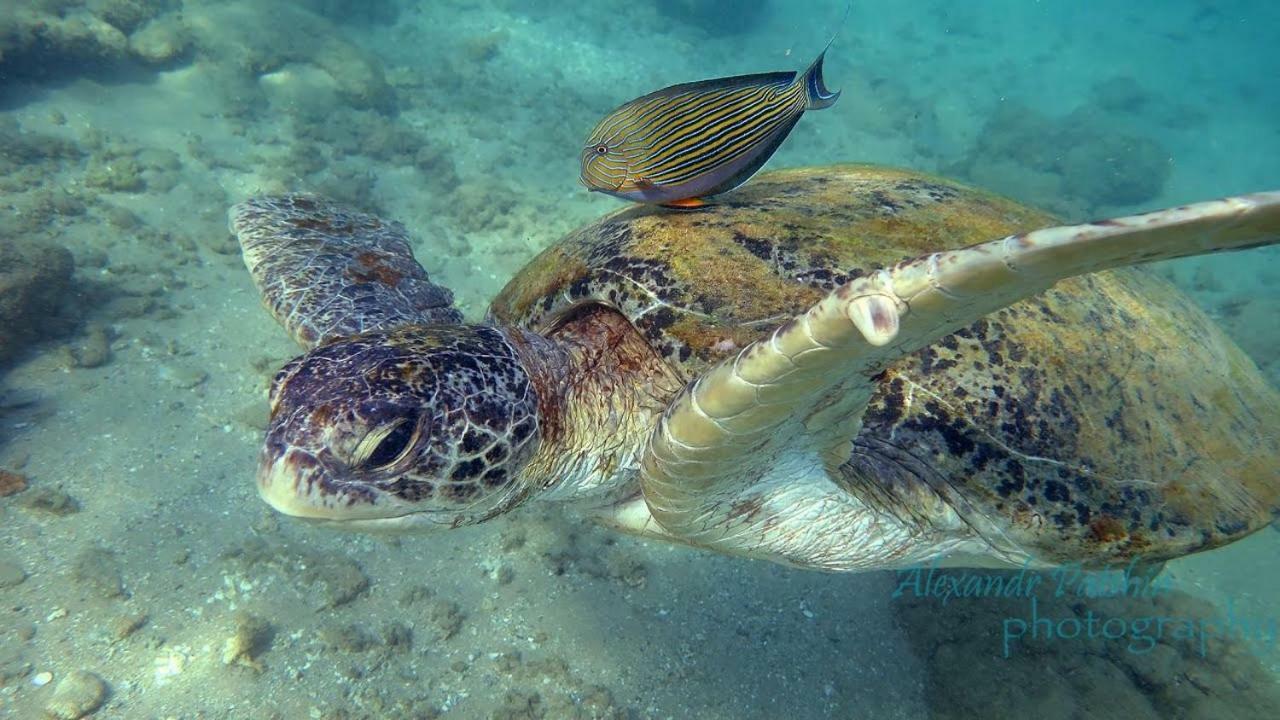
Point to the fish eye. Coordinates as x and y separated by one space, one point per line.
602 149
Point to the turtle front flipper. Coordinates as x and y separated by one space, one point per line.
325 272
740 461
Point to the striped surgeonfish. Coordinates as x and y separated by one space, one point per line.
680 144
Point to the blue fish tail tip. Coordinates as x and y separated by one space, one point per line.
816 92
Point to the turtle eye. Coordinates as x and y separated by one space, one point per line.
385 445
602 149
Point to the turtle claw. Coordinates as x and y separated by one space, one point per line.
875 316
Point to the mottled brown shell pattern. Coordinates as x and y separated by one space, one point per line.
326 272
1107 418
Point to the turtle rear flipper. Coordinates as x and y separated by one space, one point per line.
326 273
740 460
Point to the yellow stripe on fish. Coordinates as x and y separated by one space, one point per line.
680 144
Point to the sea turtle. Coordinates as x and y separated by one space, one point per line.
933 400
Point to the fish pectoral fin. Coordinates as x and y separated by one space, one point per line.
686 204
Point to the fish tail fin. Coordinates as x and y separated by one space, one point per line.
817 96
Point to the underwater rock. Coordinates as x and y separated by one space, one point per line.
446 617
1121 94
358 74
181 376
50 501
128 15
594 553
348 132
119 218
76 695
347 637
977 665
91 351
35 279
124 626
436 165
126 307
161 41
483 48
482 206
11 573
20 146
350 182
161 168
39 208
11 483
259 38
307 93
71 38
1076 165
98 570
255 415
1112 169
115 173
251 637
330 581
397 636
559 694
14 664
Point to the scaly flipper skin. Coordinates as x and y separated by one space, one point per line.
325 272
720 456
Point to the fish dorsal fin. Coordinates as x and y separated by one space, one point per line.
736 82
839 26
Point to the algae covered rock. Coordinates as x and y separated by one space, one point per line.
34 279
1077 165
76 695
160 41
39 38
1044 648
261 38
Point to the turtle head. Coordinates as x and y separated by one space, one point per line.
413 428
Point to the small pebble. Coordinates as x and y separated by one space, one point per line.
128 307
42 678
93 351
50 501
121 218
256 415
126 625
251 637
182 376
11 483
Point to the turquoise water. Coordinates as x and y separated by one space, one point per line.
135 355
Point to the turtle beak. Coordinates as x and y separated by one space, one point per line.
294 483
281 481
298 484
